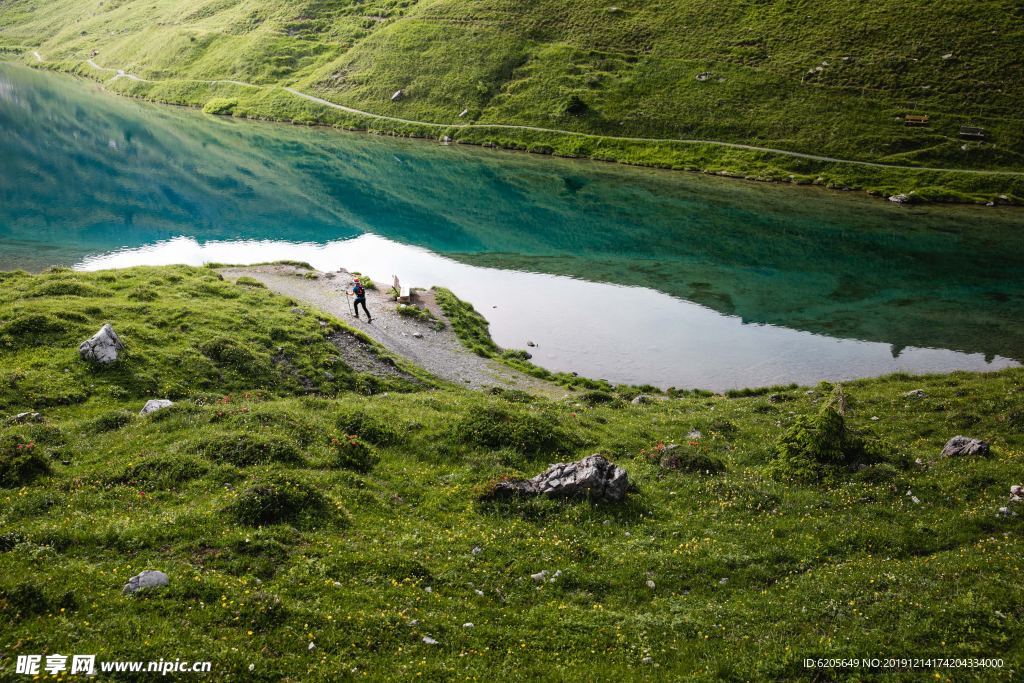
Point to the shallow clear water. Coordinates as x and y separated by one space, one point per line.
631 275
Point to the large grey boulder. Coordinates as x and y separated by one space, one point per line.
593 477
150 578
962 445
155 404
103 347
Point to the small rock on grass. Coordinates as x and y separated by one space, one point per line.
962 445
103 347
429 641
22 418
150 578
155 404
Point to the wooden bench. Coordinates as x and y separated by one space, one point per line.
972 133
915 120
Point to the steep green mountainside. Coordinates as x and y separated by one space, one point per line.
827 78
320 524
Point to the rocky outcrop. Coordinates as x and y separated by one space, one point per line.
154 405
593 477
150 578
962 445
24 418
103 347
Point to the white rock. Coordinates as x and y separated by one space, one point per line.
429 641
398 95
477 550
150 578
155 404
647 660
312 646
103 347
479 592
650 583
468 624
539 576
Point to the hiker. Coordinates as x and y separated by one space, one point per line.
360 293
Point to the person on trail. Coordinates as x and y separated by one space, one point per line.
360 294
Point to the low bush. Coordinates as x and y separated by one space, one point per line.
247 281
226 351
243 449
597 398
816 446
687 459
352 454
20 461
162 472
496 426
220 105
109 422
359 422
277 499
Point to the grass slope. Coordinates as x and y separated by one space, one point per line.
287 515
828 78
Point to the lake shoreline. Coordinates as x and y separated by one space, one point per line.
877 183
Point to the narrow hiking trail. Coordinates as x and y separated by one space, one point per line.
439 352
120 73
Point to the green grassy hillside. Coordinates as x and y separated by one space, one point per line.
292 500
823 78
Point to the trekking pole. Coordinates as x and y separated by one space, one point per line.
348 301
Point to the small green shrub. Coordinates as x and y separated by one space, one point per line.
64 288
262 611
496 426
358 421
220 105
819 445
352 454
230 353
243 449
247 281
23 600
277 499
20 461
109 422
597 398
512 395
25 329
687 459
420 314
163 472
10 539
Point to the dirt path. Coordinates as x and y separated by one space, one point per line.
509 126
439 352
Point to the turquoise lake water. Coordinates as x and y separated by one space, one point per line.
631 275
